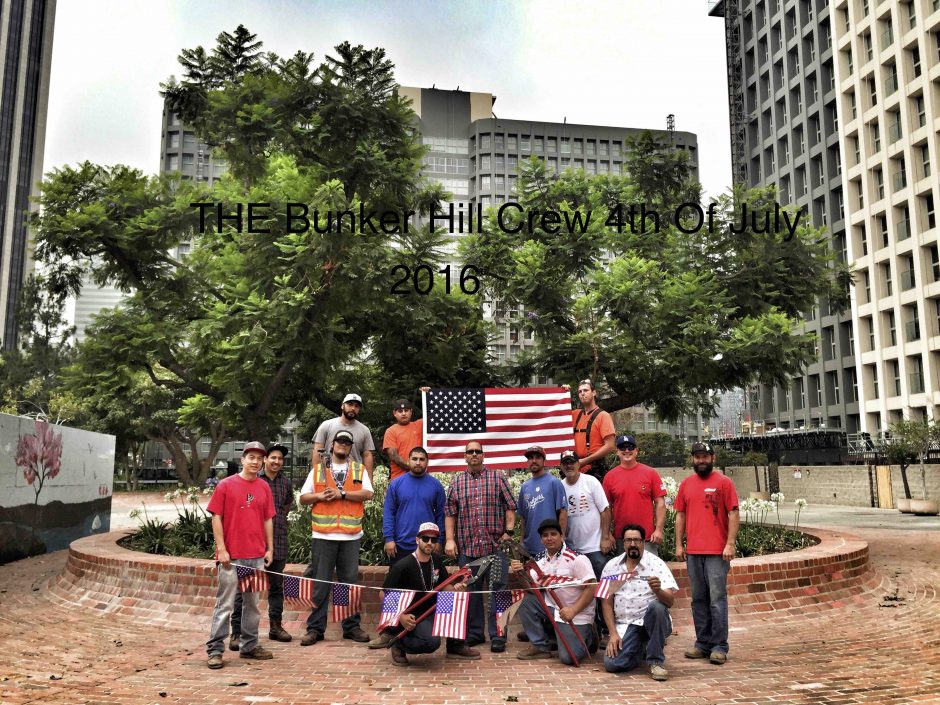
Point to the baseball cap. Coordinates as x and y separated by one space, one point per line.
626 440
702 448
429 528
278 446
344 436
535 450
254 445
352 397
549 524
402 404
568 456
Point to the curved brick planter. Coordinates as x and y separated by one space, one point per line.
101 575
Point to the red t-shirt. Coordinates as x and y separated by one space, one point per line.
602 427
706 503
244 506
402 439
631 494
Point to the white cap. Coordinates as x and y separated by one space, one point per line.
352 397
429 527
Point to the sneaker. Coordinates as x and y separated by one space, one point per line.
357 635
381 641
259 653
234 641
522 636
498 646
463 652
718 658
658 672
532 653
277 632
696 653
398 656
311 637
215 661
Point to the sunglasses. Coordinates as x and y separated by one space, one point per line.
428 539
343 442
473 452
626 448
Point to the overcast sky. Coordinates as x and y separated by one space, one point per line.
627 63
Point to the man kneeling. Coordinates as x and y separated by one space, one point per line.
576 611
422 571
636 609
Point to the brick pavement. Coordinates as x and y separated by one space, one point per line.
843 655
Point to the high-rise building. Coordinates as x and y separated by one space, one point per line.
783 97
25 60
888 73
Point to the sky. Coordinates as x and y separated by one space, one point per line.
628 63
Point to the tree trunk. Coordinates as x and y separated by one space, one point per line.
907 485
923 474
757 477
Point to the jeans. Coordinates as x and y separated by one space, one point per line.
708 576
648 639
225 604
598 561
275 597
325 556
419 640
475 617
543 632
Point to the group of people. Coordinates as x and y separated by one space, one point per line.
596 533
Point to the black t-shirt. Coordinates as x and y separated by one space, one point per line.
409 574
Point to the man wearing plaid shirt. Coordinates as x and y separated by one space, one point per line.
480 513
283 495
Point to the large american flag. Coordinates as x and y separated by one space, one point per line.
299 590
505 599
394 603
345 601
505 421
450 616
251 579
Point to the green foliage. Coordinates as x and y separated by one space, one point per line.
663 319
658 444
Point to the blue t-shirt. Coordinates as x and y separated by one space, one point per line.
539 499
409 502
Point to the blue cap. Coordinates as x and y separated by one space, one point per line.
626 440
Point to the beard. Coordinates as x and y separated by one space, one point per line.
351 415
633 553
703 470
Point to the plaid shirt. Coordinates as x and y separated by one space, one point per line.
480 503
283 494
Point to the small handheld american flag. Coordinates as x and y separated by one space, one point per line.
450 616
395 602
609 584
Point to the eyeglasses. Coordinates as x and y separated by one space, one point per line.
428 539
343 441
633 540
626 449
473 451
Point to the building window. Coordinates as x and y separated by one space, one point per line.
525 143
511 143
499 142
591 150
485 183
485 163
485 142
566 145
538 145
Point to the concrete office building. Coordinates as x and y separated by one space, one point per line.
888 73
26 28
785 132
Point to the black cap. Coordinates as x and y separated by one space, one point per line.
402 404
701 447
568 456
278 446
549 524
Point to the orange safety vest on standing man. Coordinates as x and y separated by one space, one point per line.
339 516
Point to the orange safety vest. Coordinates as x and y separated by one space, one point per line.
340 516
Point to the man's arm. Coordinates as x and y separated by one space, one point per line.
394 457
734 522
613 643
219 536
607 536
358 495
563 521
584 599
269 539
450 529
680 535
659 511
665 595
389 512
368 460
510 521
315 454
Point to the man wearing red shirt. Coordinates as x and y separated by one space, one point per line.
401 437
707 517
637 496
242 509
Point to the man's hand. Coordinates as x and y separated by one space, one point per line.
390 549
515 566
269 556
655 583
656 537
450 548
566 387
607 543
407 621
329 494
224 558
728 552
613 645
567 613
680 553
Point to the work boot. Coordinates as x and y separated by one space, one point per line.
259 652
215 661
357 635
532 653
696 653
398 656
380 641
233 642
718 658
463 652
658 672
277 632
311 637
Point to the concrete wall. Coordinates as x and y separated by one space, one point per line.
844 485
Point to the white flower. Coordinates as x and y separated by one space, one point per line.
777 497
169 496
134 513
800 503
764 505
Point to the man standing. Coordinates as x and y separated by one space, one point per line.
242 512
576 609
400 438
363 447
480 513
337 494
593 432
637 609
707 517
541 497
637 494
283 495
422 571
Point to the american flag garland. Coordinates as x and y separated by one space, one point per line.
450 615
251 579
345 599
393 605
505 600
299 590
